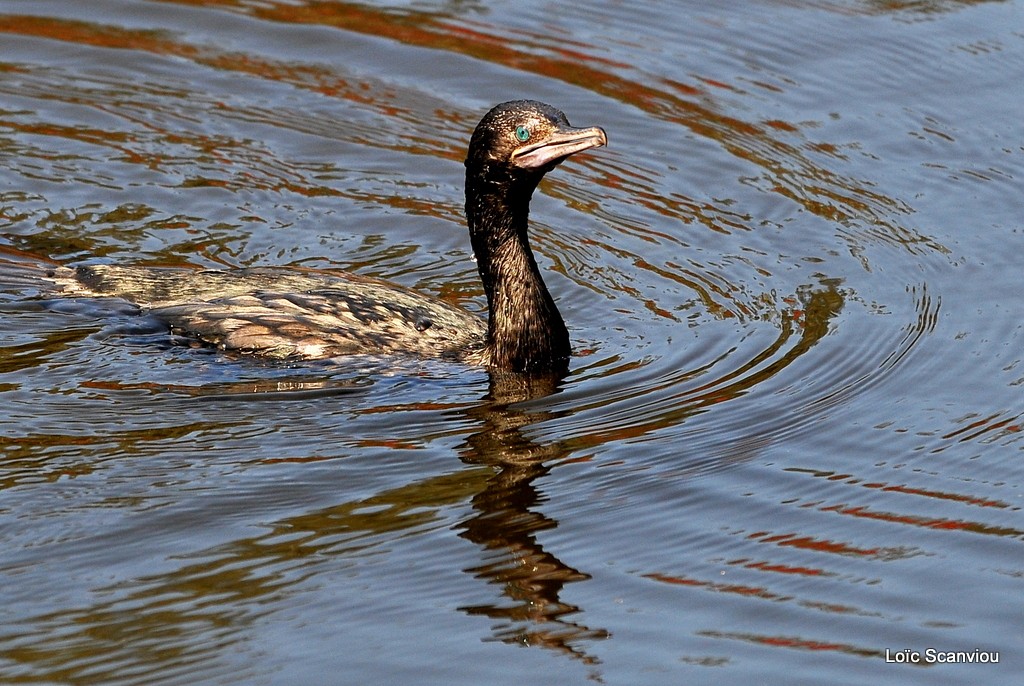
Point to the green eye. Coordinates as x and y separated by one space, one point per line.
522 133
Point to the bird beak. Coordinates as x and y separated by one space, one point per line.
557 146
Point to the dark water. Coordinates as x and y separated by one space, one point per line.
791 440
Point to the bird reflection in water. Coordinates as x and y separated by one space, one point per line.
506 522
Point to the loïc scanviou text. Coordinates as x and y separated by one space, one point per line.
933 656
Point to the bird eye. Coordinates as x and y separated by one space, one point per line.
522 133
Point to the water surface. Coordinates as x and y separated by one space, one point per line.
790 443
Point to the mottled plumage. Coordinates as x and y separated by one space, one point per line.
306 314
289 313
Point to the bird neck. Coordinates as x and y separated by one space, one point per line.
525 331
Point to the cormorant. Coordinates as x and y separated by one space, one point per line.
292 313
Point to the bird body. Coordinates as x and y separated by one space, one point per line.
289 313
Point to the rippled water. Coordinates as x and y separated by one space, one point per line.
790 446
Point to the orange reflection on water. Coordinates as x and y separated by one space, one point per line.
794 642
792 171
